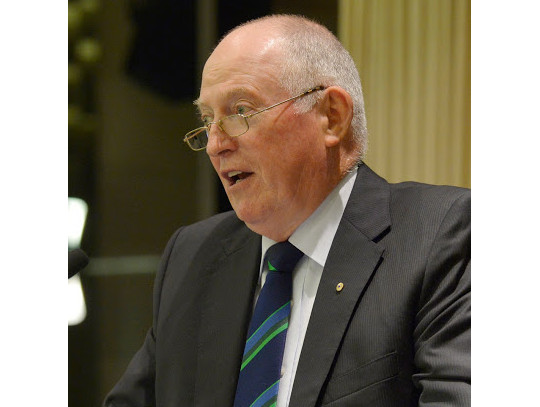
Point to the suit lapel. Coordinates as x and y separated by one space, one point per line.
352 260
226 311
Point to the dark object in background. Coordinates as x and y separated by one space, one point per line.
233 13
163 54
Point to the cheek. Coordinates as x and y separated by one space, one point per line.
286 180
292 155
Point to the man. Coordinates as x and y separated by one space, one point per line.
380 312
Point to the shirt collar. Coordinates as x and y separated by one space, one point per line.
315 235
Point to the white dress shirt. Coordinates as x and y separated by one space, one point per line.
314 238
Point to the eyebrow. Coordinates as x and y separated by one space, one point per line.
197 104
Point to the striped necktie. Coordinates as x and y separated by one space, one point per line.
260 371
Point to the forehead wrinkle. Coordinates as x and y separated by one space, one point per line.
251 69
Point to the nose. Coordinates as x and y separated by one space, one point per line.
219 142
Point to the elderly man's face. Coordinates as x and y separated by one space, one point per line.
275 175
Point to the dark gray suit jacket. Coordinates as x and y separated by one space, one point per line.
398 334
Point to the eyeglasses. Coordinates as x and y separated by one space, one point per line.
234 125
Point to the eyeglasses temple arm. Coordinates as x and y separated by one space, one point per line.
307 92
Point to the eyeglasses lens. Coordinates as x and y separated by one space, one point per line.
234 125
198 139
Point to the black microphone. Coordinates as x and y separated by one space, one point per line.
77 260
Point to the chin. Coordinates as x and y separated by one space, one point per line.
246 215
253 218
272 227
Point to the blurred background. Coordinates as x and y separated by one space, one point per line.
134 70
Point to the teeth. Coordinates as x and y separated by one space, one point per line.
233 173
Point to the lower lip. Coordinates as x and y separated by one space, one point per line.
240 181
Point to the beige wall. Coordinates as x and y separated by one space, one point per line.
414 62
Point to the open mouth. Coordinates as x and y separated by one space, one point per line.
235 177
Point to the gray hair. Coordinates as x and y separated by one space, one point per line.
313 56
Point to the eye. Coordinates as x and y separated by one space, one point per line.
206 119
241 109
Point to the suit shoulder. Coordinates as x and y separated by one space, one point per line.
427 195
429 205
200 242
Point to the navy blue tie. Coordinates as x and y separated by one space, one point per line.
260 371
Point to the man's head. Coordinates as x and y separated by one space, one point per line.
294 154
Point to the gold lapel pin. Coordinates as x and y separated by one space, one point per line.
339 287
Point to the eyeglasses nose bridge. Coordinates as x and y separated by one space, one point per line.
219 124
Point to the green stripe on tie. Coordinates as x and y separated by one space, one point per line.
263 344
259 328
262 394
263 340
271 403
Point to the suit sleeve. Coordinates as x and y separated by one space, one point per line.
136 386
443 321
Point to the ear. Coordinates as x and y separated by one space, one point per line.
337 107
